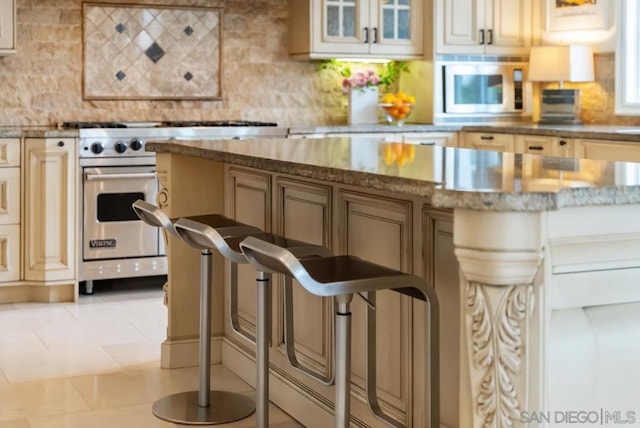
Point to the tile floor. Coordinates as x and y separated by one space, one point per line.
95 363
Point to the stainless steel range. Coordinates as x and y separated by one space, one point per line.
115 171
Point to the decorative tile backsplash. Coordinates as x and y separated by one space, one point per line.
151 52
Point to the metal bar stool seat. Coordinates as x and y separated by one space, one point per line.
202 407
341 277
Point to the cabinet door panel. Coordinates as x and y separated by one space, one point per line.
305 214
9 195
606 150
398 27
340 26
9 152
459 32
380 230
50 226
7 28
9 253
441 268
510 26
250 202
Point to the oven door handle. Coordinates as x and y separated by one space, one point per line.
118 176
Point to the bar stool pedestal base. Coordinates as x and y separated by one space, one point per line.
183 408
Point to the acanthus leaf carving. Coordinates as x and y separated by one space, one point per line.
497 347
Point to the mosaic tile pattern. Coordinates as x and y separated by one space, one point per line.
151 52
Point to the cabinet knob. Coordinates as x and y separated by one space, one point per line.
563 143
60 143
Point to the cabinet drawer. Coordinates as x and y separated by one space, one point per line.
9 253
607 150
9 152
488 141
447 139
9 195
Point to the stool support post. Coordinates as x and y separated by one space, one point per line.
263 335
204 390
343 361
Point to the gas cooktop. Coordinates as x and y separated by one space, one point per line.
165 124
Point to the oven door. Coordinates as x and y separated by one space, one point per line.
111 229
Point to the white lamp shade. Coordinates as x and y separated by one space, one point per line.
572 63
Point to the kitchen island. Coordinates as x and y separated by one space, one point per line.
535 261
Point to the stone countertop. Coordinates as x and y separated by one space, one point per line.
445 177
37 132
381 127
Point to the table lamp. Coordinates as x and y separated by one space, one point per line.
571 63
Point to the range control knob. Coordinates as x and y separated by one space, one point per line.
97 148
135 144
120 147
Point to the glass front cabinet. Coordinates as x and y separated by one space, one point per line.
357 28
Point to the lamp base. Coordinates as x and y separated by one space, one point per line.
560 106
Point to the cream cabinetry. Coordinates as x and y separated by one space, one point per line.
304 212
50 224
447 139
484 26
606 150
249 201
380 230
9 209
544 145
7 27
488 141
356 28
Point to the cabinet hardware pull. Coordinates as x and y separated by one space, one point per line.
482 37
490 34
563 143
428 143
487 137
375 34
61 143
536 148
366 35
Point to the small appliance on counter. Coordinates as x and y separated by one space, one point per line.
115 171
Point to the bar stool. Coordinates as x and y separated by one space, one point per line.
202 407
201 235
341 277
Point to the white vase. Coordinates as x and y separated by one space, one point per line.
363 105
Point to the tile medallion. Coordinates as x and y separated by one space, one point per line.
151 52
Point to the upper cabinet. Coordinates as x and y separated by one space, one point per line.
7 27
493 27
356 29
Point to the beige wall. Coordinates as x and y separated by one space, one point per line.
42 84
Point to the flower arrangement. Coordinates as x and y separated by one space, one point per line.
386 75
361 79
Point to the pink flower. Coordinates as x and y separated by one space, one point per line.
361 79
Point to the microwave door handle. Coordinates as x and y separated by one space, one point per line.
119 176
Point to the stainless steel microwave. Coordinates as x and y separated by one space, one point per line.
484 88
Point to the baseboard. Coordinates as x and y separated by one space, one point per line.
22 293
179 353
